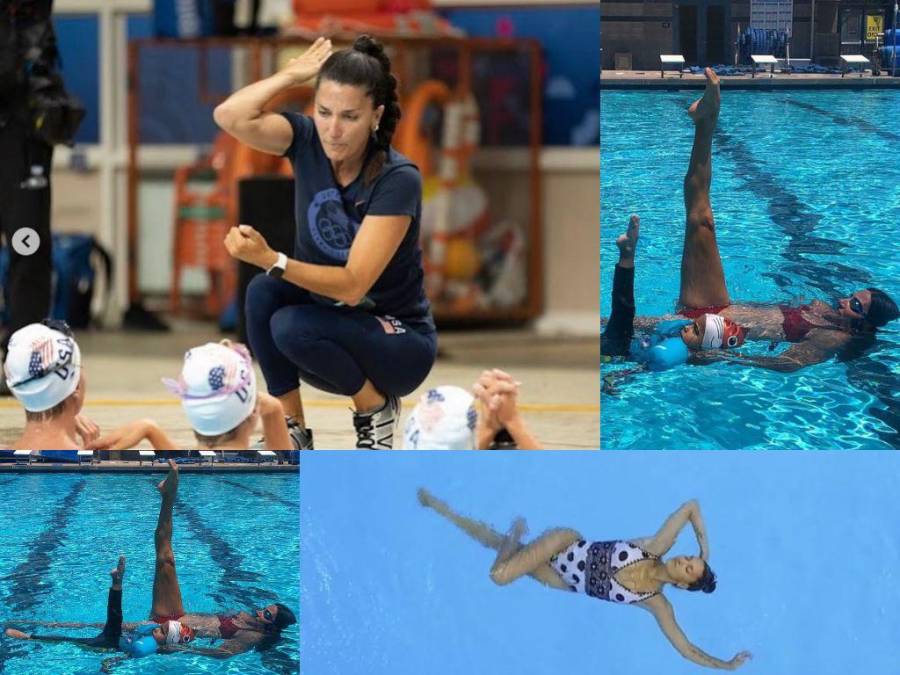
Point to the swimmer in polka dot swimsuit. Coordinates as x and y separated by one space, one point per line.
628 572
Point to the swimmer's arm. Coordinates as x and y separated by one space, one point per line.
107 665
132 434
689 512
225 650
375 244
791 360
662 611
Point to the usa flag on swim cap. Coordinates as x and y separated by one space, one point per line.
41 357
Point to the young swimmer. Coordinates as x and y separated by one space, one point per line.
446 418
145 640
45 373
672 342
627 572
217 388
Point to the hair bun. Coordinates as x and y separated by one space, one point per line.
369 46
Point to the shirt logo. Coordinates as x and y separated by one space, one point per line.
331 228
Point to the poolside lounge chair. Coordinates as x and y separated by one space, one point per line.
265 455
671 60
764 60
851 59
207 454
23 457
146 454
86 455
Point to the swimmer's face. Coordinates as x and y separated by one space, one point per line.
856 306
344 118
159 634
692 334
267 614
685 569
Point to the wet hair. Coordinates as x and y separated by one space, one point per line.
284 618
706 582
365 65
882 309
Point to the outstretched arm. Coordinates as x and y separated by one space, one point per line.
225 650
662 611
689 512
810 352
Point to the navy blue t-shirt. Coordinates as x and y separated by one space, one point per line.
328 217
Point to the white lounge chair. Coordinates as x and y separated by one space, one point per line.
265 455
764 60
23 456
671 60
86 455
853 59
146 454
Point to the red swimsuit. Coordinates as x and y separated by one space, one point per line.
794 325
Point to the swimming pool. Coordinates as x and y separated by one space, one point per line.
803 544
806 194
236 545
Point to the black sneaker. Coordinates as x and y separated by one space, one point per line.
375 430
301 438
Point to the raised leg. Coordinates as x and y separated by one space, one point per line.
616 339
507 547
533 556
702 276
166 592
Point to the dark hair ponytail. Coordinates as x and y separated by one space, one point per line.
706 582
366 65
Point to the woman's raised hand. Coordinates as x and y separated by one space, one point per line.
307 65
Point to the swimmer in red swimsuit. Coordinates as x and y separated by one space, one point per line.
241 631
819 331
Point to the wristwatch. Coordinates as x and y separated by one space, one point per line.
277 270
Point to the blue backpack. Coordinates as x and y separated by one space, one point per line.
77 259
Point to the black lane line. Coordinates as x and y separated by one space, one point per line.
264 494
30 581
230 562
846 120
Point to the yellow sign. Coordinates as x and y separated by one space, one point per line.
874 26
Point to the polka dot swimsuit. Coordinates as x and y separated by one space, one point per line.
591 569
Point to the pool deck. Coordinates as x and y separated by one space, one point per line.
650 79
147 467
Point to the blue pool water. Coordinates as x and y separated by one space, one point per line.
806 195
236 547
804 546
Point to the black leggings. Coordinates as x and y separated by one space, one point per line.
112 631
616 339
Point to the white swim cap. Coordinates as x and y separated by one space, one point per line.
443 419
43 366
177 634
715 331
217 387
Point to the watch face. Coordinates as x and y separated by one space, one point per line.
276 271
